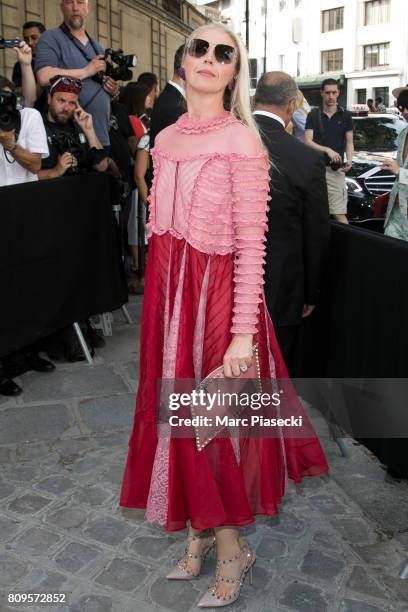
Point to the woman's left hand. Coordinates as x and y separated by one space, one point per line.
238 357
392 166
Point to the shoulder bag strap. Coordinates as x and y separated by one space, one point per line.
81 49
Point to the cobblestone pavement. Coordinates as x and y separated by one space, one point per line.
338 544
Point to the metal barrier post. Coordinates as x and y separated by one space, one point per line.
83 343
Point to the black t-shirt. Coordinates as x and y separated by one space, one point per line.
55 129
120 130
331 131
41 102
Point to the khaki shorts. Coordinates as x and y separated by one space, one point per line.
337 191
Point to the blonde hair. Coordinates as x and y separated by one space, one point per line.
239 98
301 103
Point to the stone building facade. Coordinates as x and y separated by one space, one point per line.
152 29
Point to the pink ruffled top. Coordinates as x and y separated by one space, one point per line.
210 187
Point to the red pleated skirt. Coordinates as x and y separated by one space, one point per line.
186 322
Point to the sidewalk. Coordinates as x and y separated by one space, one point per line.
338 544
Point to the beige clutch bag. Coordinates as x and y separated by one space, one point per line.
216 414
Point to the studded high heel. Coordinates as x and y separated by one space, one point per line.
210 599
180 572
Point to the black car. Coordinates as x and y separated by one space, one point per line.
375 137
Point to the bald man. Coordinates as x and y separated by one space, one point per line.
298 219
69 51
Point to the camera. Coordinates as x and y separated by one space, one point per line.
9 115
9 43
120 72
71 143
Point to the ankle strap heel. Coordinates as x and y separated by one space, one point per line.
182 573
210 599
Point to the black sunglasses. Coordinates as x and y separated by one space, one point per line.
224 54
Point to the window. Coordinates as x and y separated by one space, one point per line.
377 134
173 7
332 60
361 95
376 56
297 3
282 4
377 11
333 19
281 62
384 93
298 63
253 72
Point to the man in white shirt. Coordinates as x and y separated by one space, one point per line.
21 149
23 142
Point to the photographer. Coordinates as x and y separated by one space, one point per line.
23 70
23 141
22 144
329 129
71 137
69 51
27 84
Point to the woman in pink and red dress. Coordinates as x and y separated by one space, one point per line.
204 307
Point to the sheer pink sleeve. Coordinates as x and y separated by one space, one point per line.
250 188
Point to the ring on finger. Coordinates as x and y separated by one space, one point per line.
243 367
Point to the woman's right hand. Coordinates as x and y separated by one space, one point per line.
238 357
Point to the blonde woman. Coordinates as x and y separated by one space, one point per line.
299 116
203 308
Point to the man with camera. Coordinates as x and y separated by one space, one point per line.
69 51
23 143
23 140
329 129
23 71
72 140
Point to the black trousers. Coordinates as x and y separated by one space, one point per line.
18 363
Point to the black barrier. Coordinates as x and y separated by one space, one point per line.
59 256
360 328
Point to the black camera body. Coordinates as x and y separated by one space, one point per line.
65 142
9 43
10 118
120 72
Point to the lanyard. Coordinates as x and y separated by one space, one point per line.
78 45
81 49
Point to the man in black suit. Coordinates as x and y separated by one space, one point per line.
298 219
171 102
